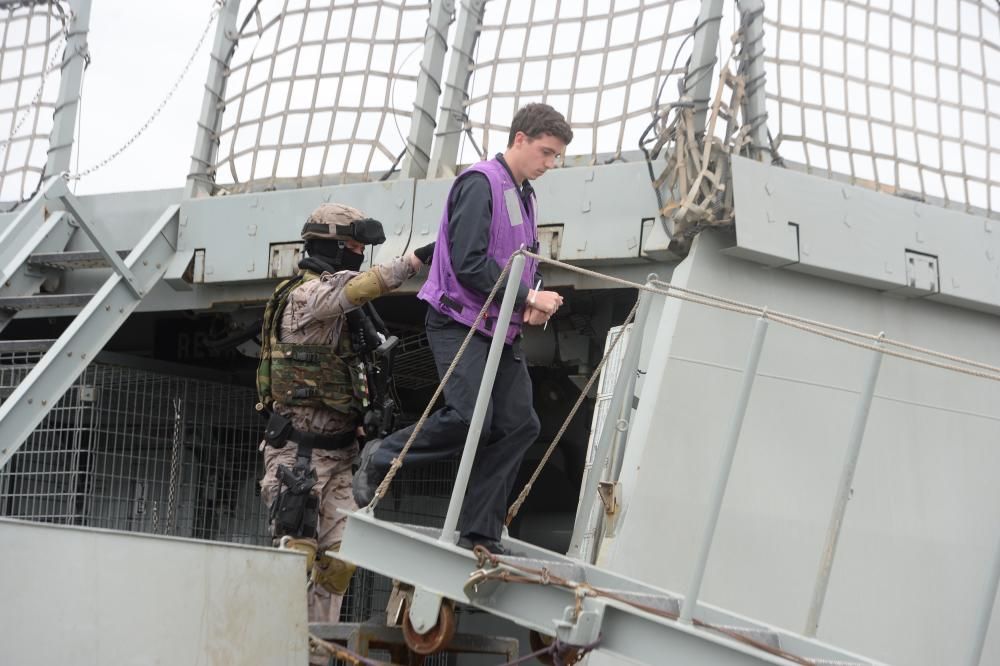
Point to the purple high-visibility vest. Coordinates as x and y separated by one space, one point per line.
512 225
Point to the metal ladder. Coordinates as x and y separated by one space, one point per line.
31 248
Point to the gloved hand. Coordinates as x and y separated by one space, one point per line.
425 253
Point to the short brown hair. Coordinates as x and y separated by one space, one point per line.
538 119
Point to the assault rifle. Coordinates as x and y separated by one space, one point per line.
377 349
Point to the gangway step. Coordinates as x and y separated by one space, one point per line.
40 301
24 346
72 260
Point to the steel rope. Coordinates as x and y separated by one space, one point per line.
793 321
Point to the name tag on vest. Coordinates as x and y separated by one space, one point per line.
513 203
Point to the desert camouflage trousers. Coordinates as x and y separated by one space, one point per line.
333 470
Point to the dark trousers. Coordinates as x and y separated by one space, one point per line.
510 428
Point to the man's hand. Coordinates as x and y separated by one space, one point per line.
534 316
546 301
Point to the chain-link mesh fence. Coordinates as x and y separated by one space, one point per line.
32 37
899 96
142 450
319 92
604 64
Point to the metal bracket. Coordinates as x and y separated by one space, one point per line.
581 627
610 493
424 610
110 255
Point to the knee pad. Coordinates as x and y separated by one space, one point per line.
332 574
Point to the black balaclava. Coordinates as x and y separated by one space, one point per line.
330 255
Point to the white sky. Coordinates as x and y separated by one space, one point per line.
138 50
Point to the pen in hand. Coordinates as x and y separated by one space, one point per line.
537 287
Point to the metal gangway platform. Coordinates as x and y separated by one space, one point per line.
582 606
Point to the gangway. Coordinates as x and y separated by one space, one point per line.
584 606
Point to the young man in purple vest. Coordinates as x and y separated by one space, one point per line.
490 213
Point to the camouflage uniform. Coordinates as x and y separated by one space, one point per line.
315 314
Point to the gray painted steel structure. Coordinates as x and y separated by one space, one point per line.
909 258
131 599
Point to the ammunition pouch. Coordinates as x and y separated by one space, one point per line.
332 574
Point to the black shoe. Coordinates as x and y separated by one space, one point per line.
494 547
366 478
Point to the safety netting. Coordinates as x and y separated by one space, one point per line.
607 65
899 95
32 37
319 92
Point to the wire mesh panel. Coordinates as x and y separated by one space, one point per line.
319 92
603 63
140 451
897 95
32 36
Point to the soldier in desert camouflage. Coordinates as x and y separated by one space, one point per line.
312 385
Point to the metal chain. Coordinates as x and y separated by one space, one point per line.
49 68
175 460
217 5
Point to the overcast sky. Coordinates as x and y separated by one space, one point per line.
138 50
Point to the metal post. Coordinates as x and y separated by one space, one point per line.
587 516
418 145
482 401
698 77
201 177
985 609
754 105
861 410
75 57
725 466
451 117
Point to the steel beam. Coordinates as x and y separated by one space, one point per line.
25 408
451 118
31 216
588 517
725 467
754 105
418 145
201 177
987 600
861 411
482 400
98 238
75 58
624 630
698 78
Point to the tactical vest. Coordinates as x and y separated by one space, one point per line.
307 375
